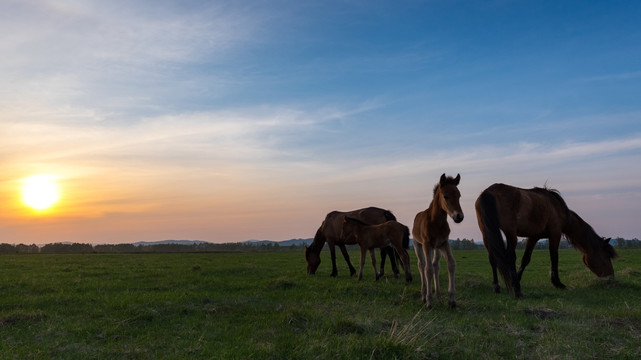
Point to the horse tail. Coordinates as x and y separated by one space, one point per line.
487 213
406 237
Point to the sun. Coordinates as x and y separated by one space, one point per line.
40 192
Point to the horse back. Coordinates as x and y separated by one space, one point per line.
385 234
334 221
528 212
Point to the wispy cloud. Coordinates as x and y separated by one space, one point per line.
618 76
115 55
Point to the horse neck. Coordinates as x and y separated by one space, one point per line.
319 241
435 210
578 232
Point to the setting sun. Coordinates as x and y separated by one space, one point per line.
40 192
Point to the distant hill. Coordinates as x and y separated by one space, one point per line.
295 242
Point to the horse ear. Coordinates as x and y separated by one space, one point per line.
607 241
457 179
443 178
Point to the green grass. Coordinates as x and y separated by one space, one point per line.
264 306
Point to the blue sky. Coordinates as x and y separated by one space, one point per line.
225 121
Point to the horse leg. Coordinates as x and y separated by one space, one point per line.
332 252
495 279
387 251
527 255
511 240
429 271
372 253
360 269
420 255
384 254
352 270
392 258
436 265
554 261
451 269
405 261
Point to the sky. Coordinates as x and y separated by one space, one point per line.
225 121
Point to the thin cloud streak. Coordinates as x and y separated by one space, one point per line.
613 77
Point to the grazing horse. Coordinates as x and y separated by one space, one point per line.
330 231
536 213
431 238
370 237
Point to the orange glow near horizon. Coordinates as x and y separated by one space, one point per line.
40 192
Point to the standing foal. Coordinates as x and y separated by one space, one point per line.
431 233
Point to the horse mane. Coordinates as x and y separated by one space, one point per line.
593 240
319 240
448 181
389 215
556 194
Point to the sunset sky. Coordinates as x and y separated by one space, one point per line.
225 121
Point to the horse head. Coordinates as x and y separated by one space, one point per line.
449 196
313 260
312 252
599 260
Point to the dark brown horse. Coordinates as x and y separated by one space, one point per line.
330 231
371 237
431 238
536 213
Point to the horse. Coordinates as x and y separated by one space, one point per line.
330 231
536 214
370 237
431 238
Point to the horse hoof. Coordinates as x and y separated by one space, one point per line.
497 290
451 304
429 307
518 295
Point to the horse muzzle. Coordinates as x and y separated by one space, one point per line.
457 217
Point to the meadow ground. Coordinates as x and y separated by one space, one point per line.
264 306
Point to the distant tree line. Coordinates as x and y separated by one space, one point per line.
564 244
79 248
464 244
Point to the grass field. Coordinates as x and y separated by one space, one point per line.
264 306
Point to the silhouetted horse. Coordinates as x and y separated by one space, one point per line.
370 237
431 233
536 213
330 231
